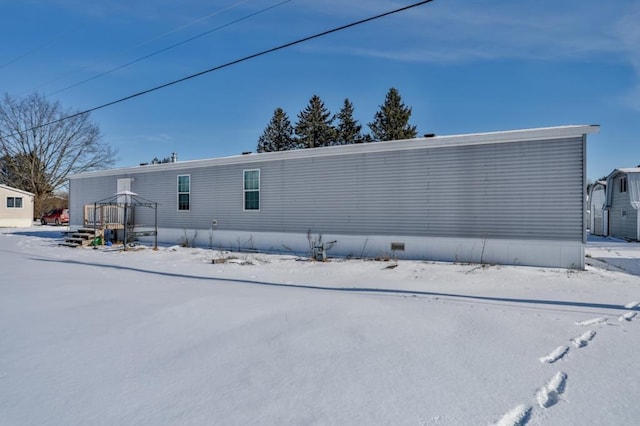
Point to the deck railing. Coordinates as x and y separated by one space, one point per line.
104 216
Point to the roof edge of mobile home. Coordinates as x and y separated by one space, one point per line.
10 188
542 133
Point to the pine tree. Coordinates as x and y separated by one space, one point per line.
391 122
278 135
348 130
314 127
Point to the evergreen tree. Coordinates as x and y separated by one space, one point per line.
278 135
348 130
391 122
314 127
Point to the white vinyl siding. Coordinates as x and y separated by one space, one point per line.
520 190
622 216
16 207
184 192
251 189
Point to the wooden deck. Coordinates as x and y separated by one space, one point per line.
100 218
103 217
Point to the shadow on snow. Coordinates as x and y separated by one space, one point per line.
46 234
380 291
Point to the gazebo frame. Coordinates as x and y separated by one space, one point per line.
117 212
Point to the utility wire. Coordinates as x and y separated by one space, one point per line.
34 50
170 47
228 64
195 21
17 58
217 12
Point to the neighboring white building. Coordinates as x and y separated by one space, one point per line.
622 203
16 209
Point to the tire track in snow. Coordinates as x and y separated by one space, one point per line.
549 394
556 354
518 416
583 339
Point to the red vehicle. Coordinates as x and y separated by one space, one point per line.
56 217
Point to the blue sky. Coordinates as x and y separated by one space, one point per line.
463 67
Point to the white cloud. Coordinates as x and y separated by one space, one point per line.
459 31
159 137
627 30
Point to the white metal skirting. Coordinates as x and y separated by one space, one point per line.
561 254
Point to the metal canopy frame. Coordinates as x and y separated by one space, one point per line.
128 201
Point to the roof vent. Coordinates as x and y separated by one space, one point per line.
429 135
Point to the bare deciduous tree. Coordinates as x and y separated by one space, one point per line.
36 156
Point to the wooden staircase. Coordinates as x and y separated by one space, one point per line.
83 237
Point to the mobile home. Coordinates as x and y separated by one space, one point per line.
512 197
16 209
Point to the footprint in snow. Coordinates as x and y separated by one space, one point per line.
549 394
516 417
628 316
632 305
583 339
555 355
592 321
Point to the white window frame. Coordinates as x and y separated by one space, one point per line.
178 193
14 203
244 191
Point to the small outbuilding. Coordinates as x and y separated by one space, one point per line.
598 215
16 209
622 203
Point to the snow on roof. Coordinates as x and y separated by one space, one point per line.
627 170
125 193
630 170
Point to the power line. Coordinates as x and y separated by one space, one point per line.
170 47
34 50
195 21
234 62
179 28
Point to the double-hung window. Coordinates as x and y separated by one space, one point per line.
623 184
184 192
252 189
14 202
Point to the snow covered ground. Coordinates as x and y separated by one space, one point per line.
146 337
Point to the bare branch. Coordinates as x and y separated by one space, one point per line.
38 158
